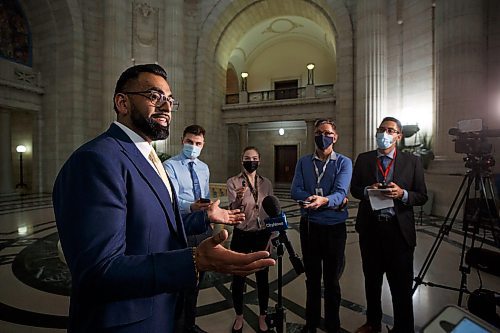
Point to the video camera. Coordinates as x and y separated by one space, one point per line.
471 137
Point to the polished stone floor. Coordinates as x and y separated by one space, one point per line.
35 282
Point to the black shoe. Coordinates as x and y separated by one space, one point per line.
195 329
233 330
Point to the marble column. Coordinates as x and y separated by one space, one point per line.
461 68
243 136
309 138
371 71
6 182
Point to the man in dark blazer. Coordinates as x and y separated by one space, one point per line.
387 237
119 224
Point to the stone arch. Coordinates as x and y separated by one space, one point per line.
226 23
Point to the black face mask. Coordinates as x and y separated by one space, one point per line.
250 166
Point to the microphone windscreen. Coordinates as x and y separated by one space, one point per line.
271 206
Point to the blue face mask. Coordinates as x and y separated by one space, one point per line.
191 151
384 140
323 142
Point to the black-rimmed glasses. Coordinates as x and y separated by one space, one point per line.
157 98
389 130
325 133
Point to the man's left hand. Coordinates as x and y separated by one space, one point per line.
224 216
212 256
316 201
395 192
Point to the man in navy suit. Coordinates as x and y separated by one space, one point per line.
387 236
119 224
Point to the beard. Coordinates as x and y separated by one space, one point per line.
148 126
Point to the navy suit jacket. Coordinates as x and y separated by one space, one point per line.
408 174
124 243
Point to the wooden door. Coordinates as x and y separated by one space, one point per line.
285 159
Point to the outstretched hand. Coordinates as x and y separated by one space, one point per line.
224 216
212 256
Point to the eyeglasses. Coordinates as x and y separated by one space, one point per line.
325 133
389 130
157 98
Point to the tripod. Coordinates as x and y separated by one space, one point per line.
479 175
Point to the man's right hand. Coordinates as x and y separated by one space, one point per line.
212 256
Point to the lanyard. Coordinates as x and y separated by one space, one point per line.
386 172
318 175
254 191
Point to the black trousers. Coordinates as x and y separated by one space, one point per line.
186 306
247 242
384 250
323 249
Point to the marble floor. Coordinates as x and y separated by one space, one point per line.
35 282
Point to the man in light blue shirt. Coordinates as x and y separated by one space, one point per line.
190 178
179 171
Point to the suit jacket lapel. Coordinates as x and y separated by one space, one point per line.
150 176
396 175
178 216
373 166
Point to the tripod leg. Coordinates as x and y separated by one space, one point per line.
444 230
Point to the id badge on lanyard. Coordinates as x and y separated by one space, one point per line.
319 190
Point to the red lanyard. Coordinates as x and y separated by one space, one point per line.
386 172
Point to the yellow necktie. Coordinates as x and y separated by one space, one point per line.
160 169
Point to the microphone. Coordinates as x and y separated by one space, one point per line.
277 222
277 219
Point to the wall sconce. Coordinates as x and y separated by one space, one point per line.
310 73
281 131
21 149
244 76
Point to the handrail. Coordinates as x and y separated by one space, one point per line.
326 90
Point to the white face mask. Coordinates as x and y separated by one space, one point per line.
384 140
191 151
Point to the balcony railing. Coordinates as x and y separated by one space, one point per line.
280 94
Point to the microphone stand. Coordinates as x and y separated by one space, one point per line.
278 320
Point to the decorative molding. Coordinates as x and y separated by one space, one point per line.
145 27
24 80
28 77
282 25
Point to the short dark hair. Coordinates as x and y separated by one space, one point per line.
320 122
194 129
133 72
398 123
247 148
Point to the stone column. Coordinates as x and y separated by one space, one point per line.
171 57
461 77
371 71
243 136
309 138
6 182
461 65
117 52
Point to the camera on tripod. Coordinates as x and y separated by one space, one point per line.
471 137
